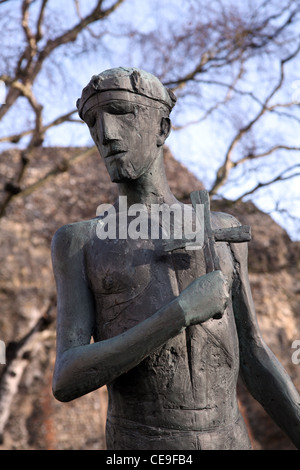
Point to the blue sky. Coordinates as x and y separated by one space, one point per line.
200 146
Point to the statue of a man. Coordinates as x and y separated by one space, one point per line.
169 339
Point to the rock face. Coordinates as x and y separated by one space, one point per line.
27 295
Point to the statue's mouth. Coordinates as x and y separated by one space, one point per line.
115 151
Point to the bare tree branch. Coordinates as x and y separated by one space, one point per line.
31 70
275 148
223 172
219 47
39 34
15 138
28 67
15 191
19 355
278 178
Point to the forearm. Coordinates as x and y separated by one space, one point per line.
263 374
271 386
83 369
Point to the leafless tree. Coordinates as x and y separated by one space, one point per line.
34 47
232 65
235 65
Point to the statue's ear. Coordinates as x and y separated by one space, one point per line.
165 129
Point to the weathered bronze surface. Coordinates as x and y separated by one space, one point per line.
172 327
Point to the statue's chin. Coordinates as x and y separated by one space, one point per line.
122 175
124 178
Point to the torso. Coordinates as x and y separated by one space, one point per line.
189 384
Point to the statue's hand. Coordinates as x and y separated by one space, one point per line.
204 298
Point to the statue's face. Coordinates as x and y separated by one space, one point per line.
126 135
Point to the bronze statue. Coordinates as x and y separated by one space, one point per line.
173 327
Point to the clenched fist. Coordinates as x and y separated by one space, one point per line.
204 298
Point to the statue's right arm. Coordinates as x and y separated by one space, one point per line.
81 366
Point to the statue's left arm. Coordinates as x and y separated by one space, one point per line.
264 376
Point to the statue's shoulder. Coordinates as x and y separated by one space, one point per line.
223 220
75 230
71 238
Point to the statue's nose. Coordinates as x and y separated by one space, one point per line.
109 129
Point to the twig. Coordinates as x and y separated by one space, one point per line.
14 190
18 356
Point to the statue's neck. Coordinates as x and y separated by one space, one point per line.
150 188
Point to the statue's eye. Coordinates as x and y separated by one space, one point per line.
121 109
129 116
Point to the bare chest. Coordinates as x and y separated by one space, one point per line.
132 279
